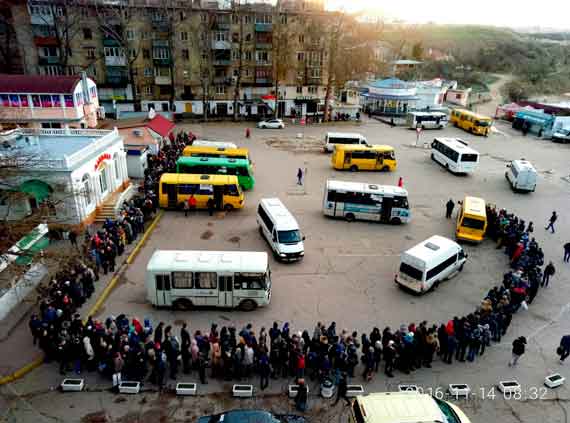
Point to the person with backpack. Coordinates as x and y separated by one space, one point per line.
518 350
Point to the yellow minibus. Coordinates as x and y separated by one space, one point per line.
471 122
471 220
364 157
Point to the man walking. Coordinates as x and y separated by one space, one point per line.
300 176
549 271
567 252
449 206
551 222
564 348
518 350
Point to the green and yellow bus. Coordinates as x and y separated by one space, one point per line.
176 188
218 166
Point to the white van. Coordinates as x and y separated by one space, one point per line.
216 144
333 138
521 174
280 229
430 262
404 407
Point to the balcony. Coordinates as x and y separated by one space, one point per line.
222 80
263 27
110 42
45 41
115 61
161 62
117 80
162 80
263 46
48 60
221 45
222 62
264 80
159 43
40 19
224 26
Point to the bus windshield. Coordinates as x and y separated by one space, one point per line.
411 271
469 157
289 237
450 415
401 202
471 223
250 281
482 123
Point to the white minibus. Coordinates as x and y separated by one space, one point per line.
281 230
186 279
430 262
427 120
405 407
334 138
364 201
521 174
216 144
454 154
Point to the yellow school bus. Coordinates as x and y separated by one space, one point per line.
471 220
202 151
224 190
471 122
364 157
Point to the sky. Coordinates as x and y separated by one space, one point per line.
510 13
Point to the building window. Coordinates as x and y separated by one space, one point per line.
145 35
235 54
299 90
130 34
146 53
86 186
301 39
221 36
248 38
117 164
220 89
160 53
312 89
51 70
148 90
248 19
161 71
184 36
204 17
186 73
90 52
315 73
246 72
236 72
103 179
87 34
263 19
262 56
186 54
284 19
148 72
300 56
49 51
182 15
235 19
248 55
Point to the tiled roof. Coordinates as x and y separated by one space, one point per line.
38 84
161 125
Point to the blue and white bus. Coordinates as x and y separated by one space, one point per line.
364 201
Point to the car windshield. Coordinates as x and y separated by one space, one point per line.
450 415
289 237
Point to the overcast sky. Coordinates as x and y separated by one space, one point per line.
511 13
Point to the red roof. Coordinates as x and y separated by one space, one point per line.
161 125
38 84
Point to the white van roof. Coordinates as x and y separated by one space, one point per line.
366 187
344 135
457 144
433 250
523 165
400 407
207 261
284 220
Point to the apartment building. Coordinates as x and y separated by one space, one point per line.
183 56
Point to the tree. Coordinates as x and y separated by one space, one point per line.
205 39
516 90
237 11
417 51
117 20
9 53
281 51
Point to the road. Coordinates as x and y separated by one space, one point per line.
347 274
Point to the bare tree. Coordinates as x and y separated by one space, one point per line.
333 39
206 62
237 11
115 19
9 53
281 51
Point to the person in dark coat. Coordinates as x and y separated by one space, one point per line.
549 271
302 395
342 389
551 221
518 350
449 206
564 348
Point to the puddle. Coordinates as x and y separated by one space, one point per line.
207 234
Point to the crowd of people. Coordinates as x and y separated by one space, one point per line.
139 351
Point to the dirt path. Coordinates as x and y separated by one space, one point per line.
489 108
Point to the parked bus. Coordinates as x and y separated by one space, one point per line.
427 120
471 220
176 188
428 263
218 166
364 157
187 279
215 144
471 122
335 138
363 201
230 153
454 154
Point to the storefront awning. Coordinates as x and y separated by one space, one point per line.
38 189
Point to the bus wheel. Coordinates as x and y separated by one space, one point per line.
432 157
248 305
353 168
182 304
396 221
349 217
228 207
461 267
385 169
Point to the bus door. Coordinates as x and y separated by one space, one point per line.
219 197
172 194
163 297
379 160
347 158
225 290
386 212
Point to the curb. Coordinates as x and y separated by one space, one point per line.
102 298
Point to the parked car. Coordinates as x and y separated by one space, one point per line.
562 135
271 124
252 416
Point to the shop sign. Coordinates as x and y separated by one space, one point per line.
101 159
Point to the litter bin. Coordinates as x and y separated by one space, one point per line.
327 388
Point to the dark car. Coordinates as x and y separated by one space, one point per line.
252 416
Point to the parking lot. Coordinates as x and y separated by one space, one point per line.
347 274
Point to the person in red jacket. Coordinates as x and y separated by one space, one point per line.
301 366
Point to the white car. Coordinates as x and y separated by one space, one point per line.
271 124
562 135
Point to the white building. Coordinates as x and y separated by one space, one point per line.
64 174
